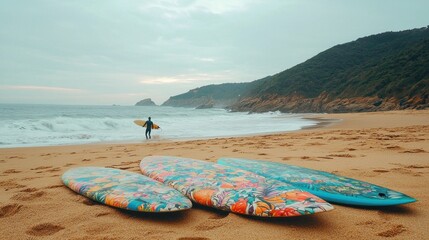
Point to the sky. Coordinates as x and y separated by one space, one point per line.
105 52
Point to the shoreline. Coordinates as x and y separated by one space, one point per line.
320 123
390 149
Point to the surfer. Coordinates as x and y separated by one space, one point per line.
149 125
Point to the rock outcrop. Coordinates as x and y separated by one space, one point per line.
145 102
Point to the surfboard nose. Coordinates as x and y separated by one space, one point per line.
305 204
332 188
124 189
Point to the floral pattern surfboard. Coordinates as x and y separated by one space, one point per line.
231 189
331 187
123 189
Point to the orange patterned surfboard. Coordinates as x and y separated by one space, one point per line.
231 189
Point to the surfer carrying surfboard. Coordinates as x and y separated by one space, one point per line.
149 125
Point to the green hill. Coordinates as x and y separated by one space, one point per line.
220 95
386 71
380 72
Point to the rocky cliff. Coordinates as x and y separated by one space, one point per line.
324 103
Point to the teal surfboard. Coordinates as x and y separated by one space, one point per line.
124 189
330 187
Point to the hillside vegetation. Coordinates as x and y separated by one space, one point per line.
386 71
221 95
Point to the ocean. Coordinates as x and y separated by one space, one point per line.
47 125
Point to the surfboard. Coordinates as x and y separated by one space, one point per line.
142 122
330 187
231 189
123 189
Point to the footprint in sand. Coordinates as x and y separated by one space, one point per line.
10 184
11 171
394 147
9 210
217 220
54 186
54 169
380 170
42 167
26 196
393 231
314 144
29 190
417 166
307 158
209 225
406 171
417 150
102 214
346 155
30 178
44 229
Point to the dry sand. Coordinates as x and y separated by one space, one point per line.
384 148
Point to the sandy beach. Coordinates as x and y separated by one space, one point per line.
390 149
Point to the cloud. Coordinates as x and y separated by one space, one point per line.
220 7
202 59
39 88
183 78
177 9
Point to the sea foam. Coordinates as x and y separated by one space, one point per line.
42 125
